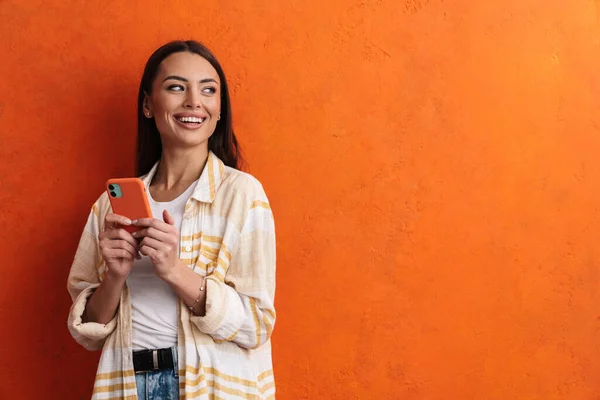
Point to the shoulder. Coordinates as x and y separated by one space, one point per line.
100 208
246 203
243 184
103 202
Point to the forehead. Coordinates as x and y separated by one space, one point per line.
187 65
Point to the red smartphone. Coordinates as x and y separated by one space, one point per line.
128 198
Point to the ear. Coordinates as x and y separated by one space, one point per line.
147 105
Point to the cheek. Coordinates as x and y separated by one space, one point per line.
163 109
164 104
213 105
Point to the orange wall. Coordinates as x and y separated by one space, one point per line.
433 168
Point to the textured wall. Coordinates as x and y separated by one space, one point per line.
433 168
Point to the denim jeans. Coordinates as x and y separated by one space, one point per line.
159 385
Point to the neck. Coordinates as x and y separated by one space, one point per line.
180 167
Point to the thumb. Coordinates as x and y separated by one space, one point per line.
168 218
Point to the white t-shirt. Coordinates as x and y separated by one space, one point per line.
153 302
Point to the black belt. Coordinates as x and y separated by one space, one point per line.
152 360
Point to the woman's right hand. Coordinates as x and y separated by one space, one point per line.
117 246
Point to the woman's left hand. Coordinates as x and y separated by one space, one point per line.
160 242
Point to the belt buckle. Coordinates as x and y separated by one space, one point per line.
155 359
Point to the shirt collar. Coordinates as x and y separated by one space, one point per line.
209 182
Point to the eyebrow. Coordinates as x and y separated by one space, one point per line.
179 78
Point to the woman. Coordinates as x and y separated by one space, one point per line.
184 306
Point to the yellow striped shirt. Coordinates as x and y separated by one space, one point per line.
227 235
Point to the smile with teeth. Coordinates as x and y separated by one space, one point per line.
193 120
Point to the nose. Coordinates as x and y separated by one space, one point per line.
192 100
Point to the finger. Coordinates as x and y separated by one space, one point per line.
121 244
143 222
114 254
108 247
152 243
168 218
152 233
148 251
116 219
121 234
154 223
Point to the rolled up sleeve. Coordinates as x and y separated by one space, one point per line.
84 278
240 308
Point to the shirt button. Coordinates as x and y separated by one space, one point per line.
187 215
188 248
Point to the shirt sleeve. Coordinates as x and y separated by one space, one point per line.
83 280
240 307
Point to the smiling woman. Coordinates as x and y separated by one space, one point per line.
183 306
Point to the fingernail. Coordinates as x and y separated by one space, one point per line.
128 221
134 222
134 234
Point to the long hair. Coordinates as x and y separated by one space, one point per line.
222 142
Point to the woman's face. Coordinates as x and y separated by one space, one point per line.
185 101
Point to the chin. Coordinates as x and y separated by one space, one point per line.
190 142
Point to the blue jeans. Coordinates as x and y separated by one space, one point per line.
159 385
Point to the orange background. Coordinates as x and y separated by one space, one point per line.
432 165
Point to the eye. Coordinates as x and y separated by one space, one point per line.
175 88
209 90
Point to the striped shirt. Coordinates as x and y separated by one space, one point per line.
227 235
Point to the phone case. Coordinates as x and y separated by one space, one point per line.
128 198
